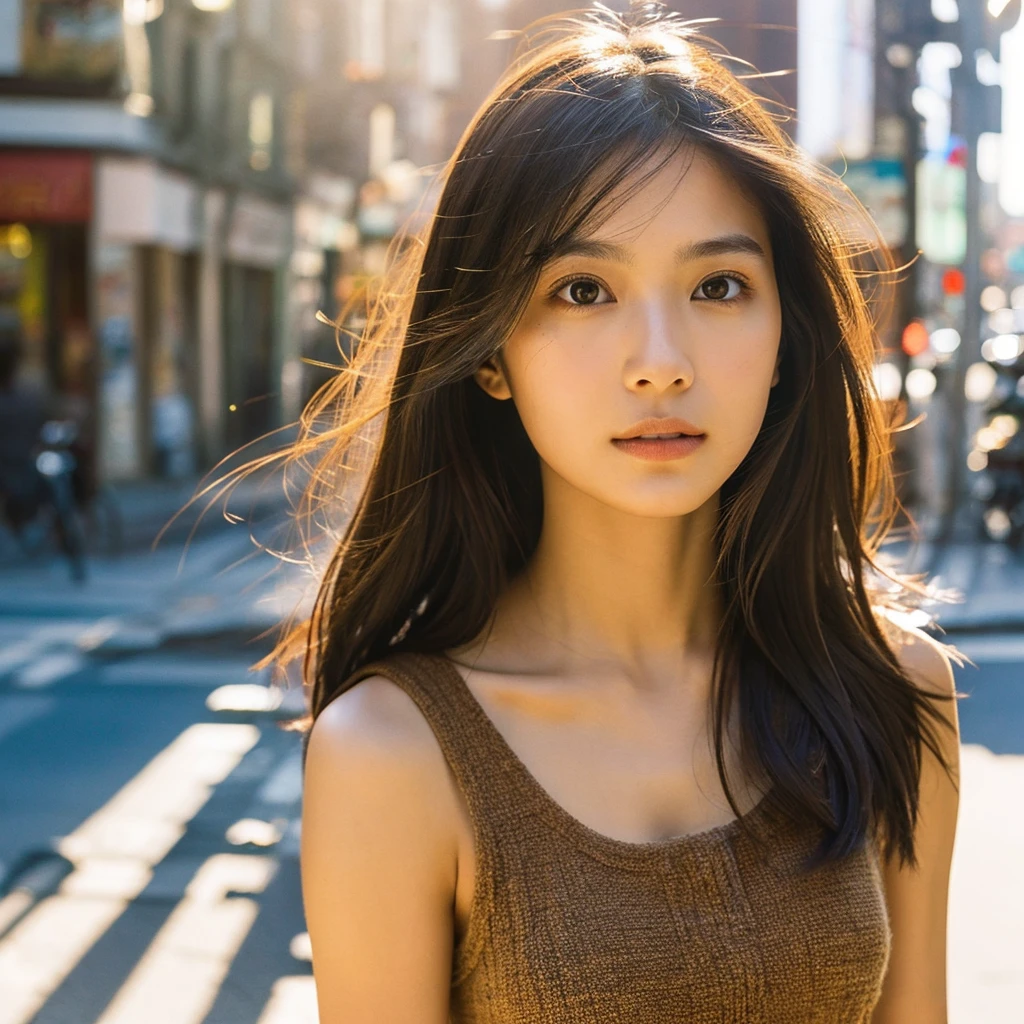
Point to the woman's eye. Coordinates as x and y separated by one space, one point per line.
721 289
583 292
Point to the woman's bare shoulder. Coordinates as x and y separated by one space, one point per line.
375 735
379 858
374 708
925 660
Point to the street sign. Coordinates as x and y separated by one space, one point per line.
941 217
881 187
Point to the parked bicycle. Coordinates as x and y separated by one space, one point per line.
38 464
44 494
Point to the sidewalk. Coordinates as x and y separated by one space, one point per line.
989 576
213 591
148 507
986 898
157 508
129 516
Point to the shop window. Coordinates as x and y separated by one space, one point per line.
261 130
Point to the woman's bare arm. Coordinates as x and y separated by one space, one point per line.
378 860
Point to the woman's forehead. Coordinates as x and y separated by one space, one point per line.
691 190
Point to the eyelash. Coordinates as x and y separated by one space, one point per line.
731 275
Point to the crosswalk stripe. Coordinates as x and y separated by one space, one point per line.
13 656
981 649
292 1001
178 977
49 669
121 842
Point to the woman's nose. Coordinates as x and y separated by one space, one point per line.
657 361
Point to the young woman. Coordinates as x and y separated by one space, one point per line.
611 719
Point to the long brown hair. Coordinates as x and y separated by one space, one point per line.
429 492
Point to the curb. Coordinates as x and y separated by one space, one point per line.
1011 622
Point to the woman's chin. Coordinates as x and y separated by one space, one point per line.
659 501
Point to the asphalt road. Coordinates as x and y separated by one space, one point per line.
146 792
992 709
149 837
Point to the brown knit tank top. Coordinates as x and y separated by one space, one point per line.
571 926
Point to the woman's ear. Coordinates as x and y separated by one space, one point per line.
491 377
775 375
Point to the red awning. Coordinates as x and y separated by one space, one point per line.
45 186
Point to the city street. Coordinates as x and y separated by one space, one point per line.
986 917
150 841
270 234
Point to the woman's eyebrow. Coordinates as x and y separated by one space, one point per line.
722 245
591 248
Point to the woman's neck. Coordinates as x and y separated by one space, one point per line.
609 591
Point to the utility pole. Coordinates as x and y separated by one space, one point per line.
898 134
974 112
968 122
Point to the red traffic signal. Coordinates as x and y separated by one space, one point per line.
953 282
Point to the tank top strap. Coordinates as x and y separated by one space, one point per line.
483 765
485 770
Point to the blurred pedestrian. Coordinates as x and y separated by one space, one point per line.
22 414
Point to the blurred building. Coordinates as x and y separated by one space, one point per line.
184 184
146 216
398 81
388 87
916 103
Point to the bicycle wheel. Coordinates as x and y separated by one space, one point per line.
70 532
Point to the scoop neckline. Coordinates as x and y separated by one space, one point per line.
568 823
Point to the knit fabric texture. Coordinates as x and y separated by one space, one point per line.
569 926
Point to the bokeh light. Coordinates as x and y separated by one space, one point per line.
977 461
1003 348
915 338
888 381
979 382
992 298
921 383
945 340
1001 321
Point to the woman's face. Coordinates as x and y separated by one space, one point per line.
669 311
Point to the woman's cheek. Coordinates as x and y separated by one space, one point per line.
741 386
557 408
547 369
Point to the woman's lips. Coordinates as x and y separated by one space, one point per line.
659 449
